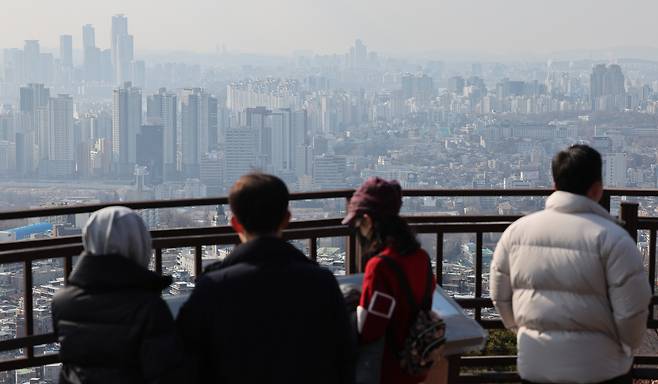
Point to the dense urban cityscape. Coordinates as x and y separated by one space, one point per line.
87 123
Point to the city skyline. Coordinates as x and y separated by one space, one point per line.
489 28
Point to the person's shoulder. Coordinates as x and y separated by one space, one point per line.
375 262
613 233
216 266
65 296
380 263
315 270
530 219
520 226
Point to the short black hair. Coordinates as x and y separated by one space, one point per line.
260 202
576 169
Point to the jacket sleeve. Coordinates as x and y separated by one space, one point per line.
160 354
629 291
345 335
377 303
500 283
193 330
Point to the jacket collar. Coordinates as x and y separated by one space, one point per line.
567 202
115 272
267 250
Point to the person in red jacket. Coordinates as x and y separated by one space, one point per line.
384 310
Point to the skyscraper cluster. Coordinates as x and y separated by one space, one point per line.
115 65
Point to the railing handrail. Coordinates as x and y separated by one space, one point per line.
297 196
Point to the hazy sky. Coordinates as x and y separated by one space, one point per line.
329 26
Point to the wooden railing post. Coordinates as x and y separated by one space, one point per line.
628 213
198 261
439 258
350 255
28 306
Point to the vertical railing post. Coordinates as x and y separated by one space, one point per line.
478 274
350 255
652 268
158 261
28 306
313 248
68 267
439 258
198 261
628 213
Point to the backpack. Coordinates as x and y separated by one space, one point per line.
426 335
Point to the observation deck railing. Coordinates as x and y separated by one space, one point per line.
466 369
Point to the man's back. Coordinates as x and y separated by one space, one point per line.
572 282
268 315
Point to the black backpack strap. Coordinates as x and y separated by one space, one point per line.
426 303
404 282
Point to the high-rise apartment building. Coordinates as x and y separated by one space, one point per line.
198 120
150 144
615 166
269 93
213 123
88 36
420 87
32 61
161 109
66 51
126 121
33 96
212 173
607 88
329 171
122 49
32 127
91 54
358 55
61 155
240 153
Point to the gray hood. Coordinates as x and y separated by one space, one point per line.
118 231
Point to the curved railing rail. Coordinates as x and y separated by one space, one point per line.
66 248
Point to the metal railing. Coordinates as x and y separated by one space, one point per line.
462 368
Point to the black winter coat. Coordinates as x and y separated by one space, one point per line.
267 314
113 326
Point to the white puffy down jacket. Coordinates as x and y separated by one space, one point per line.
570 281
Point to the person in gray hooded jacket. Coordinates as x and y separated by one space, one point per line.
112 324
570 281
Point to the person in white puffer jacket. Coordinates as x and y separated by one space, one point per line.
569 281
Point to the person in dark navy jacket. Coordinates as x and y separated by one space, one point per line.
267 313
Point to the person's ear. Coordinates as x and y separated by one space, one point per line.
595 191
285 221
237 227
366 223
